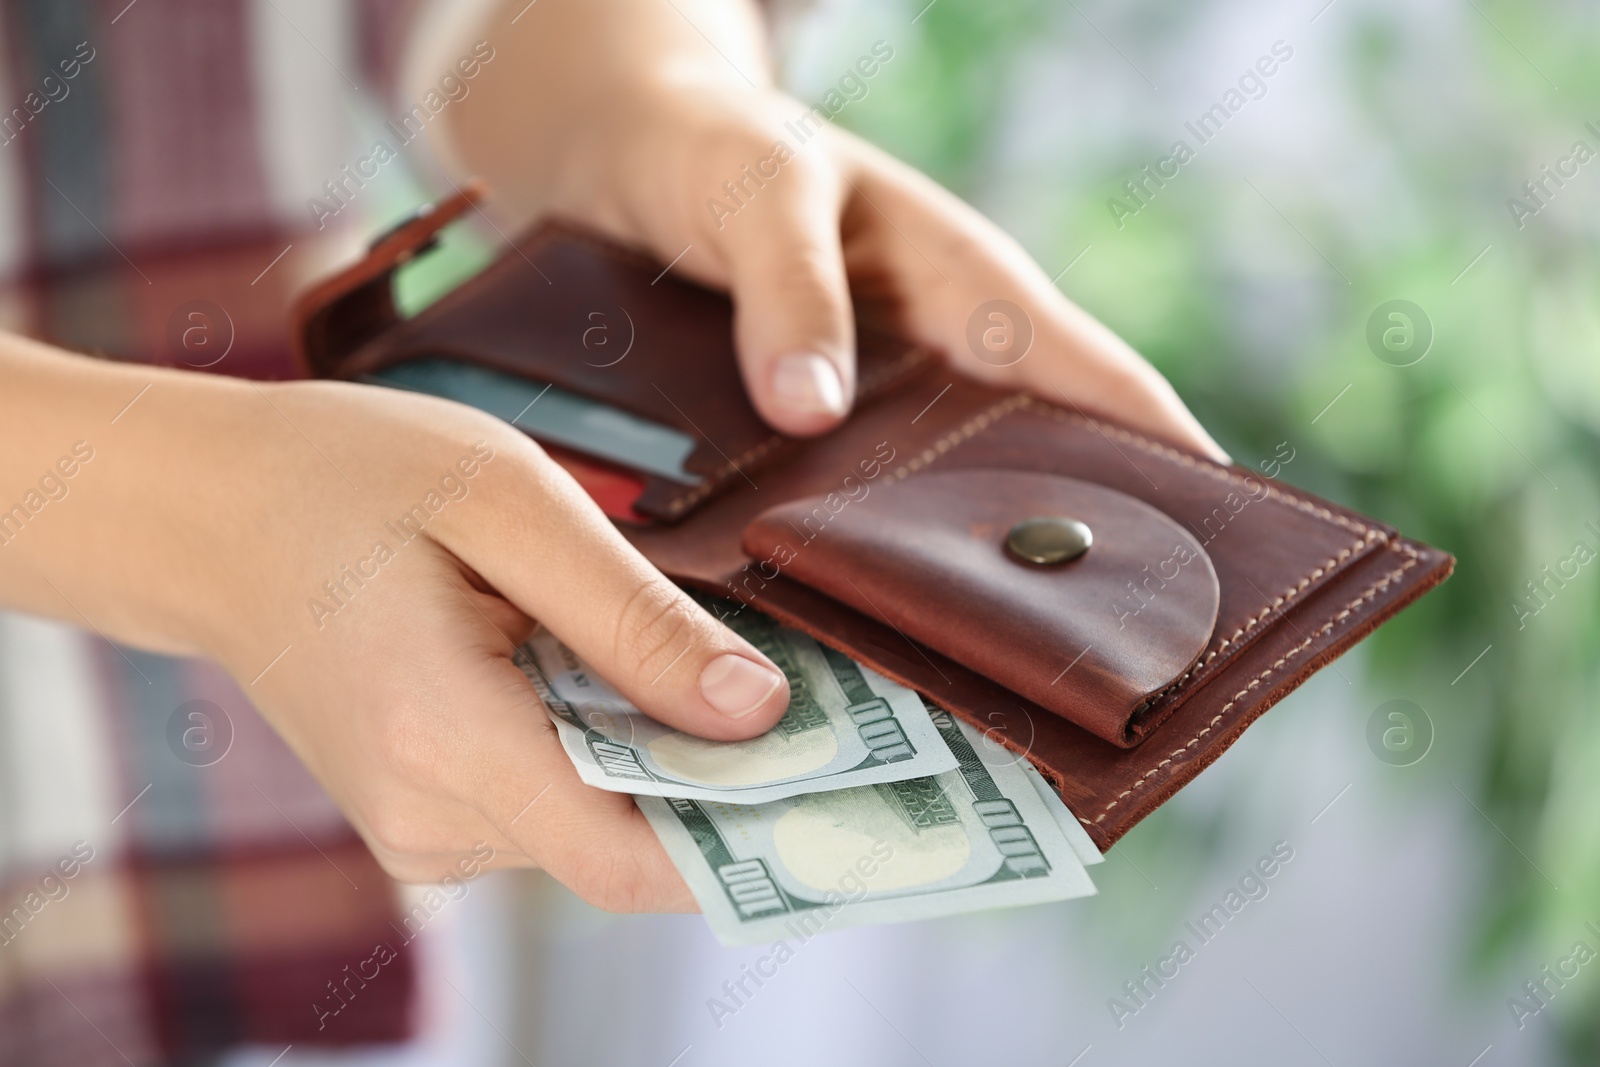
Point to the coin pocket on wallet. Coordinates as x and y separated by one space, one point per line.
928 556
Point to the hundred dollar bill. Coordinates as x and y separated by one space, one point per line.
1083 845
995 754
972 838
846 726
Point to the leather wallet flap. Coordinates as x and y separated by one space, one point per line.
640 339
928 556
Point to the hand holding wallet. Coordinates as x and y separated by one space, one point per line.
1120 659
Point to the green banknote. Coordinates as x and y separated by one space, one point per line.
979 836
846 726
1083 845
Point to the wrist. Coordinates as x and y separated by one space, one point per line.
104 486
574 96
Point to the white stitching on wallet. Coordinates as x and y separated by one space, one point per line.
1204 466
722 474
1017 401
1412 556
717 477
965 432
1366 534
1291 593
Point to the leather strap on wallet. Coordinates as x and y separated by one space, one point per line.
1208 592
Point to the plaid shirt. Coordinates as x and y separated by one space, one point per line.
172 881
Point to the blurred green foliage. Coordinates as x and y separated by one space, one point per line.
1378 166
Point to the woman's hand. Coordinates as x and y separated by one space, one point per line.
364 561
657 123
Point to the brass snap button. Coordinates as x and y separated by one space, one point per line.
1049 539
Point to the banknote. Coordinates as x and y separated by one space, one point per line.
846 726
994 753
1083 845
971 838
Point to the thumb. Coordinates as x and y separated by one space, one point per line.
551 552
793 323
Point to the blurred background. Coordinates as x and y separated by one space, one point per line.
1345 266
1445 847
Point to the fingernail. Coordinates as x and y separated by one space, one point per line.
737 686
809 383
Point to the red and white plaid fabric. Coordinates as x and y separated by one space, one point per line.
156 905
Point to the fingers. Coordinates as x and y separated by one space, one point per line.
793 323
1104 375
505 795
549 550
949 263
594 842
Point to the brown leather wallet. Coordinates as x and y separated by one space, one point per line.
1208 593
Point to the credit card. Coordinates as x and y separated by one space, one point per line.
613 490
552 415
